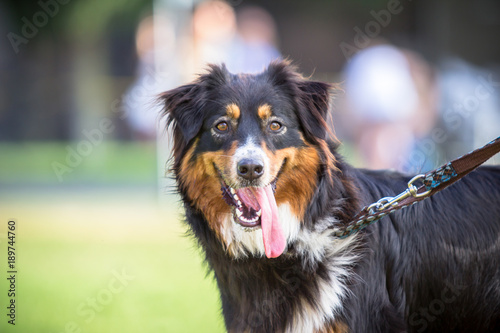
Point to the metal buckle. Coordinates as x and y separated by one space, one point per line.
387 202
410 184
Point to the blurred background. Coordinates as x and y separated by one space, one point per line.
83 153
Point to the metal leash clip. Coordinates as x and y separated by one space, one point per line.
387 202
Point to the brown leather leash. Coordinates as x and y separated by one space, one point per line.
433 182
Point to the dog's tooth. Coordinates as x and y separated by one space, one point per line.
258 213
232 190
252 220
239 212
238 202
235 196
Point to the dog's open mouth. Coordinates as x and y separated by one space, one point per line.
256 206
246 208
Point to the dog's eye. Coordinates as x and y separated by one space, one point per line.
275 126
222 126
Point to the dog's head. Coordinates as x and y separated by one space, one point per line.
248 152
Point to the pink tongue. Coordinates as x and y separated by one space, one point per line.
274 239
247 195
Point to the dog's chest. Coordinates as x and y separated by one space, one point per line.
306 295
318 312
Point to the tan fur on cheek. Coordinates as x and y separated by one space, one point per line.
200 180
298 179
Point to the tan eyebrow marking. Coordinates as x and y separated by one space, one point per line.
233 111
264 111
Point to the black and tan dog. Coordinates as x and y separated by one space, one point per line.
264 189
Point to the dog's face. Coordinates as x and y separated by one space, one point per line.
248 150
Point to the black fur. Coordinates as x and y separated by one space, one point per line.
433 267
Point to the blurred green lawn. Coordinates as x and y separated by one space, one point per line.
107 163
73 241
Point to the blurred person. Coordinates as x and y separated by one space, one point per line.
214 33
469 106
245 42
390 96
256 41
153 76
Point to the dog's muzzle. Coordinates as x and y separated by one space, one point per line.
252 199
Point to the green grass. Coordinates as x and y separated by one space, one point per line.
107 163
69 250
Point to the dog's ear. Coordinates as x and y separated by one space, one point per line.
184 105
313 105
311 98
181 111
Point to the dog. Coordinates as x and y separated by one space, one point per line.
264 189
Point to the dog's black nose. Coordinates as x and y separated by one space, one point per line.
250 169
